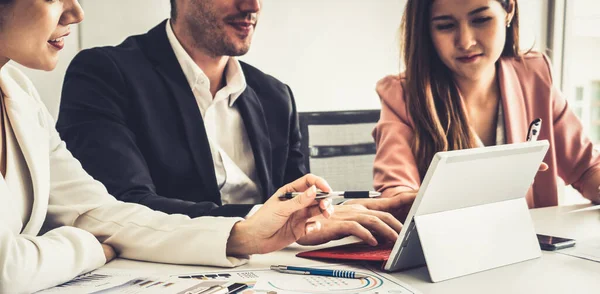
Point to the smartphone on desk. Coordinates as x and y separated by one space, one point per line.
551 243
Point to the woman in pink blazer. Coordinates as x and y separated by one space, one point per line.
466 85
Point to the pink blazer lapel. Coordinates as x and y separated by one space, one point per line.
513 102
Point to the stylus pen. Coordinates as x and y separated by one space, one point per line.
318 272
534 129
345 194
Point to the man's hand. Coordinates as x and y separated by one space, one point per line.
279 223
398 204
109 252
356 220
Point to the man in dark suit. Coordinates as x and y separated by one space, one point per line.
171 120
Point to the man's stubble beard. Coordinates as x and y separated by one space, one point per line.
210 35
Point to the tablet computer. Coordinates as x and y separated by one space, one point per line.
477 195
470 214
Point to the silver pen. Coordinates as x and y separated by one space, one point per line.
332 194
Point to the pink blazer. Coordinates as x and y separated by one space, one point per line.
528 92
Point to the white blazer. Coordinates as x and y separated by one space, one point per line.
72 213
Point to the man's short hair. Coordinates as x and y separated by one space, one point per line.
173 9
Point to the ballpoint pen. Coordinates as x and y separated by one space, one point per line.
534 129
343 194
318 271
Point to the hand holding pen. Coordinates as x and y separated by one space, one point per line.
534 129
532 134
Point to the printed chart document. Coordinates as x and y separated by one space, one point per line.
125 282
272 282
258 281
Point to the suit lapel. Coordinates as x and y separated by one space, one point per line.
253 116
515 118
160 52
33 141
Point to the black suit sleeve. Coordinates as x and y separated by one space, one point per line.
93 121
294 168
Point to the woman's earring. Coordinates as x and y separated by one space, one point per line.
508 24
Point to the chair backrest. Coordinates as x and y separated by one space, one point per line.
338 147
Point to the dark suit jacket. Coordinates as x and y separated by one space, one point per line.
129 115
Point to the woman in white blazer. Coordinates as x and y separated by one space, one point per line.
57 222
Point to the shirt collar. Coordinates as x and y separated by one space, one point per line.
500 130
234 76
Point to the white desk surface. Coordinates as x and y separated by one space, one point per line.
552 273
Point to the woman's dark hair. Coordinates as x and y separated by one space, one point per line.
440 122
3 4
173 9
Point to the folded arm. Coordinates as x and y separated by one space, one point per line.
33 263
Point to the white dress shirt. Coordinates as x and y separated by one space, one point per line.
231 150
500 130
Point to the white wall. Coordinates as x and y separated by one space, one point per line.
532 20
109 22
331 52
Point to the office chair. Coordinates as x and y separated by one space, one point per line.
338 147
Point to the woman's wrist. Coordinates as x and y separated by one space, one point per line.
241 241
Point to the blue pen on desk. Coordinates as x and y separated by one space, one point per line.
534 129
317 271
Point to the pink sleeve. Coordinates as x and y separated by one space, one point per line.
576 158
395 164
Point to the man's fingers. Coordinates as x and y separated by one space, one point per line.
389 219
349 212
355 229
543 167
376 225
381 223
